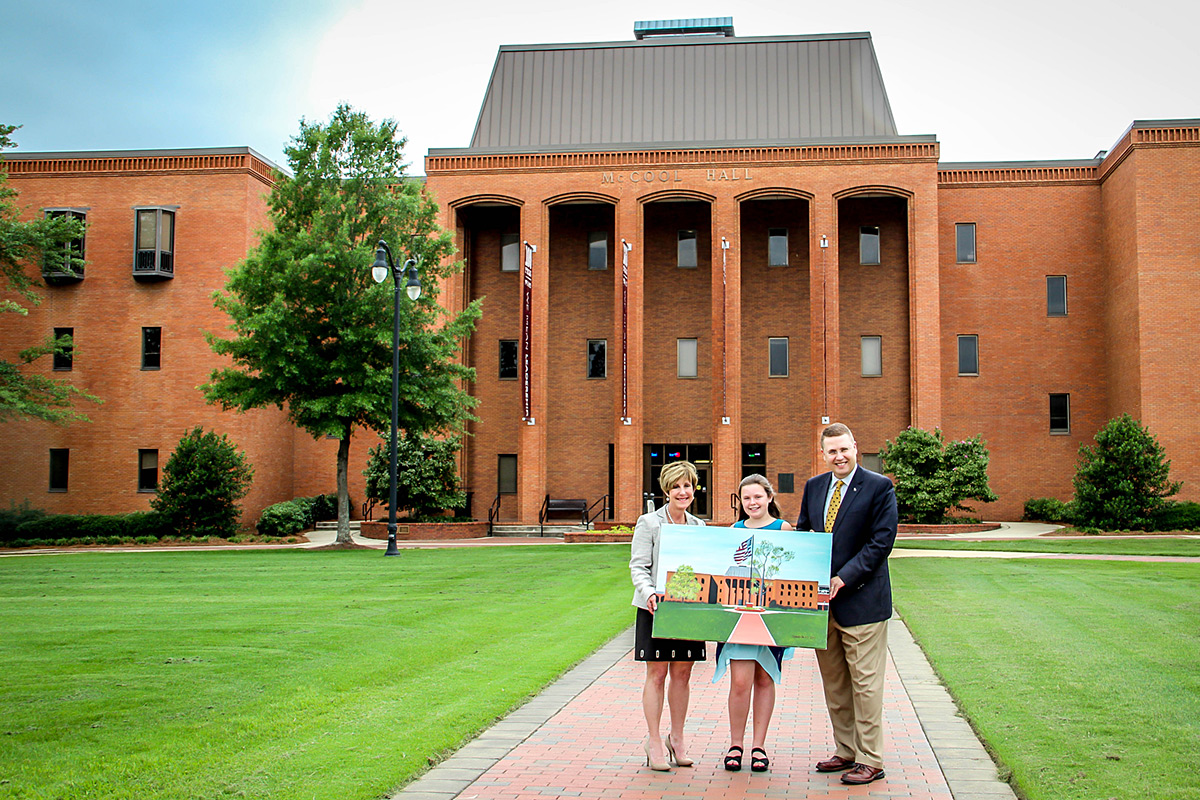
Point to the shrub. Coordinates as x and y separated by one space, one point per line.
283 519
1178 516
324 507
1049 509
426 474
202 482
12 517
933 476
1123 481
103 528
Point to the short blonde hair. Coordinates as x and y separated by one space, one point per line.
676 471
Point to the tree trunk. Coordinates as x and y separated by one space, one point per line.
343 489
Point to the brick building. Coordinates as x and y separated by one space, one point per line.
690 244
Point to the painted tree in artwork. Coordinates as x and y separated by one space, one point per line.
768 559
684 585
312 331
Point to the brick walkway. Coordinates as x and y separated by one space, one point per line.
582 737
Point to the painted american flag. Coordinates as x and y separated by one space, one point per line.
744 551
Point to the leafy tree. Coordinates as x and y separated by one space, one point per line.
684 584
426 473
25 394
1122 481
312 330
202 482
934 476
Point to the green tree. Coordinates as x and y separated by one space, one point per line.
1124 480
684 584
201 485
768 558
426 473
312 330
933 476
23 244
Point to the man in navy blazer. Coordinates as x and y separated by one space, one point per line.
861 505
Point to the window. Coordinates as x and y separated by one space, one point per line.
777 353
64 359
147 470
754 459
1060 413
598 250
508 359
872 356
871 461
868 244
66 264
60 462
506 474
787 483
968 355
510 252
777 247
685 353
1056 295
151 348
686 250
155 241
964 242
597 358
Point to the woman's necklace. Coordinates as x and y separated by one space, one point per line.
671 519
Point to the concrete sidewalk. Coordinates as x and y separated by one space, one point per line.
581 738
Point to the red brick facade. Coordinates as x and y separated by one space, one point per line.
1117 228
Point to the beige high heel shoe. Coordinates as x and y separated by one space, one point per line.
679 762
661 766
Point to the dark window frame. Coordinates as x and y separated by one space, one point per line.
679 358
604 360
1063 416
501 459
865 234
60 471
159 256
771 353
968 337
773 235
515 345
682 254
76 248
151 355
972 257
862 356
597 250
144 472
65 361
1053 310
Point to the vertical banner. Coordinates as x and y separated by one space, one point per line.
724 338
625 247
526 330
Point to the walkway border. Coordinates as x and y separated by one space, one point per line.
969 770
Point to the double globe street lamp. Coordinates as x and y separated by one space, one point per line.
379 271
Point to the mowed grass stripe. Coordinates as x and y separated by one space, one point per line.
280 674
1080 675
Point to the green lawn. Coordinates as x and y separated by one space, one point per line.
284 674
1110 545
1083 677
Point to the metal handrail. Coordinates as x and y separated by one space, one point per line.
493 513
589 518
542 515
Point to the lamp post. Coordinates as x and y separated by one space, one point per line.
379 271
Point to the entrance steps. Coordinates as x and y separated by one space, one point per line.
510 529
331 525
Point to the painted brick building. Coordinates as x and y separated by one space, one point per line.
693 246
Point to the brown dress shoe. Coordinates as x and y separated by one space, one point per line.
835 764
862 774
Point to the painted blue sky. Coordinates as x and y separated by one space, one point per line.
710 550
1051 79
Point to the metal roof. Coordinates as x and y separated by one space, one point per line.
690 90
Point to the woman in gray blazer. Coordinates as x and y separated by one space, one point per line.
663 657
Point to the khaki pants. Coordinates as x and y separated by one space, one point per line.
852 670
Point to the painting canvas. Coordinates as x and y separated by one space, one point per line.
743 585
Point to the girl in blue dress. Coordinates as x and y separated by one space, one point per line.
753 669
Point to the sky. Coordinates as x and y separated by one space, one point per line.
1014 81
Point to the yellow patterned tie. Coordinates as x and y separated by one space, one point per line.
834 503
